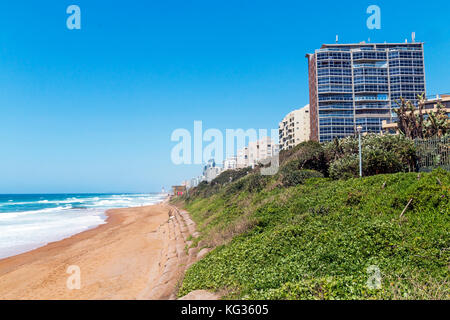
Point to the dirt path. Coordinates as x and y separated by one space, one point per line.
141 253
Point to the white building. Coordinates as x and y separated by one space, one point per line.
256 152
230 163
210 171
242 158
187 184
294 128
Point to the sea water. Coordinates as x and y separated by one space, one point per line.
31 221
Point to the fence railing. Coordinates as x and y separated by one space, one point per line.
433 153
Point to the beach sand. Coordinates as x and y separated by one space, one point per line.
138 254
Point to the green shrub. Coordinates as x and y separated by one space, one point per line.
230 176
345 168
294 177
380 154
306 155
256 182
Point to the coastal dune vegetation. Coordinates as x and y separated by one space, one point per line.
316 231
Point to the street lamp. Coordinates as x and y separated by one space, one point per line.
359 130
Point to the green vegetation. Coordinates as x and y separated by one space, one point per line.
417 122
380 154
316 240
307 233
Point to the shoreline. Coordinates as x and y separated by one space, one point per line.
105 220
120 259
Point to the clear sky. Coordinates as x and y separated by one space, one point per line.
92 110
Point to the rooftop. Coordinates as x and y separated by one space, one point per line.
399 44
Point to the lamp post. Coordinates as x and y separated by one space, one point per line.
359 130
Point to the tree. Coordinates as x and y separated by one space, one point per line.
413 123
437 123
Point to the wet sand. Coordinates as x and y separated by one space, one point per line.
126 258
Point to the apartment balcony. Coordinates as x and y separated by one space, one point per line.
370 65
371 98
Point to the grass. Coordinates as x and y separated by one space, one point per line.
317 240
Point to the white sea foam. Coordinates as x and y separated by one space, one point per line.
22 231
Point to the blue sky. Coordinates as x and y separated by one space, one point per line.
92 110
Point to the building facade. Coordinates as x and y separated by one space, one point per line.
294 128
230 163
260 150
242 158
178 190
211 171
354 85
255 152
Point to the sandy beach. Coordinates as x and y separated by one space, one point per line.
140 253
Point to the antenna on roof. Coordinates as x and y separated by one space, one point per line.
406 40
413 37
337 38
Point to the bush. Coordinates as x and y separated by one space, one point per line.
292 178
345 168
256 182
306 155
230 176
380 154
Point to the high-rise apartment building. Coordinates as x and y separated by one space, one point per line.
294 128
354 85
210 171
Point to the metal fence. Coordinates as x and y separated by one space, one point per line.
433 153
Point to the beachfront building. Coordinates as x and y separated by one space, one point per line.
196 181
242 158
230 163
294 128
354 85
430 105
211 171
178 190
256 152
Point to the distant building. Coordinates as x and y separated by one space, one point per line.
230 163
179 190
210 171
430 105
256 151
242 158
354 85
195 181
294 128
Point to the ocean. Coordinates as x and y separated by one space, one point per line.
33 220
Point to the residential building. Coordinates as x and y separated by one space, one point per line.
294 128
242 158
230 163
260 150
211 171
430 105
354 85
